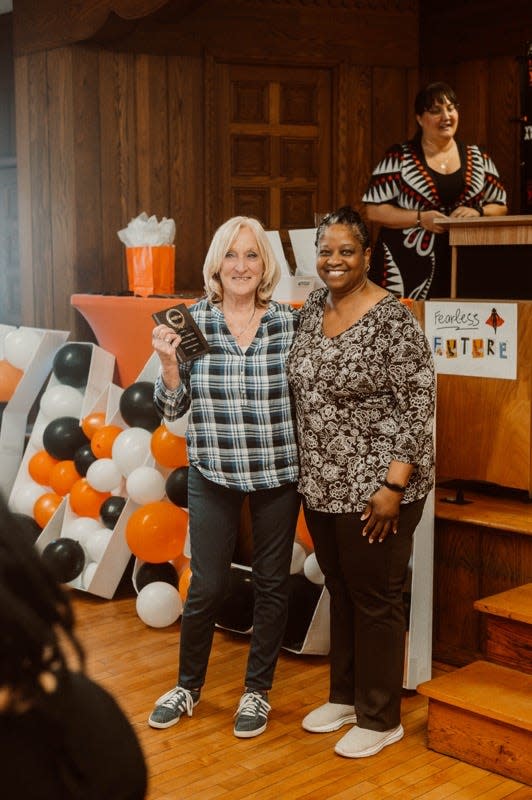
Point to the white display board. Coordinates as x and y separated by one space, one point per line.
15 415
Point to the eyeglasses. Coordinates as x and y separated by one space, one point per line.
438 111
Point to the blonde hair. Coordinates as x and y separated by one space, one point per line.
222 241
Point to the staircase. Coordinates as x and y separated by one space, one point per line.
482 713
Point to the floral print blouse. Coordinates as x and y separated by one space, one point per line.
363 398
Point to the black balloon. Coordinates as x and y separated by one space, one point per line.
29 528
236 611
72 363
62 437
149 573
177 487
83 458
111 509
65 558
137 407
303 596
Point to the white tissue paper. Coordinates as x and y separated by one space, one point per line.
144 231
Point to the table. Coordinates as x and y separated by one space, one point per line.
123 325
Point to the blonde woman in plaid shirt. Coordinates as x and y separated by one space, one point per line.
241 443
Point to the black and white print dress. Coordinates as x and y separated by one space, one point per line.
413 262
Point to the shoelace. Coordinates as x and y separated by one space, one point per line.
181 700
252 704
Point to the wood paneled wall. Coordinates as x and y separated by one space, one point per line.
105 134
126 122
9 258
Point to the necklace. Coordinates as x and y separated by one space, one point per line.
246 326
438 157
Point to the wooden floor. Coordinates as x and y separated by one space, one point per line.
200 758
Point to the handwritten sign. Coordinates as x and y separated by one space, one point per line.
470 338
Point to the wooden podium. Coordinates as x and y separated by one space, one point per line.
489 231
484 425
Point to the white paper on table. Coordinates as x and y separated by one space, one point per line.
277 247
303 245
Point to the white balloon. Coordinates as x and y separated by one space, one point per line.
145 485
79 528
96 543
131 449
177 426
88 574
159 604
20 346
37 434
24 498
103 475
312 570
298 559
61 401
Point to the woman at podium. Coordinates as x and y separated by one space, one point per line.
416 181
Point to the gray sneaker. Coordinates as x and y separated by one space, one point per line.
251 715
169 707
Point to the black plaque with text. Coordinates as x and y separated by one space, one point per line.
193 343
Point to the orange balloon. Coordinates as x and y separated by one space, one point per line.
9 378
63 476
45 507
40 467
302 532
184 583
181 563
102 440
86 501
156 531
92 423
168 449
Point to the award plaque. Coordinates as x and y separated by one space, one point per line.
193 343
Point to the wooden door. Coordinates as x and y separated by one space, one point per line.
270 147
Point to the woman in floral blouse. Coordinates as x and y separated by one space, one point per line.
362 376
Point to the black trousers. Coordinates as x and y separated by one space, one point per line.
365 582
214 516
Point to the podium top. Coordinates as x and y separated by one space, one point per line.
515 229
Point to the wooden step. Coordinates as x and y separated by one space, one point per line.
482 714
508 627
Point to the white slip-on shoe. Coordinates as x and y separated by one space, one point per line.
361 742
329 717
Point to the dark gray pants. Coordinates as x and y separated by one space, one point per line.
214 518
368 624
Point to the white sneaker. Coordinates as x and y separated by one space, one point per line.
329 717
361 742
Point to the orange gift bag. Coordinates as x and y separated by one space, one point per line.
151 269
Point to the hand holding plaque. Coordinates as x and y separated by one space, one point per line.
193 343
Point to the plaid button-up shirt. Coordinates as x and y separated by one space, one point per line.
241 424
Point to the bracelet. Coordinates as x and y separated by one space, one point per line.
418 220
394 487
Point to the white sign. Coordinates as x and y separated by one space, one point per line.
470 338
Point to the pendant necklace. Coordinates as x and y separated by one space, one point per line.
246 326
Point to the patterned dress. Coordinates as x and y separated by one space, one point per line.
363 398
413 262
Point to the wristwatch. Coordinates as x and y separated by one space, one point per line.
394 487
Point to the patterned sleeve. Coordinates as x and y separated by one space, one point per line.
385 182
493 190
173 403
411 375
